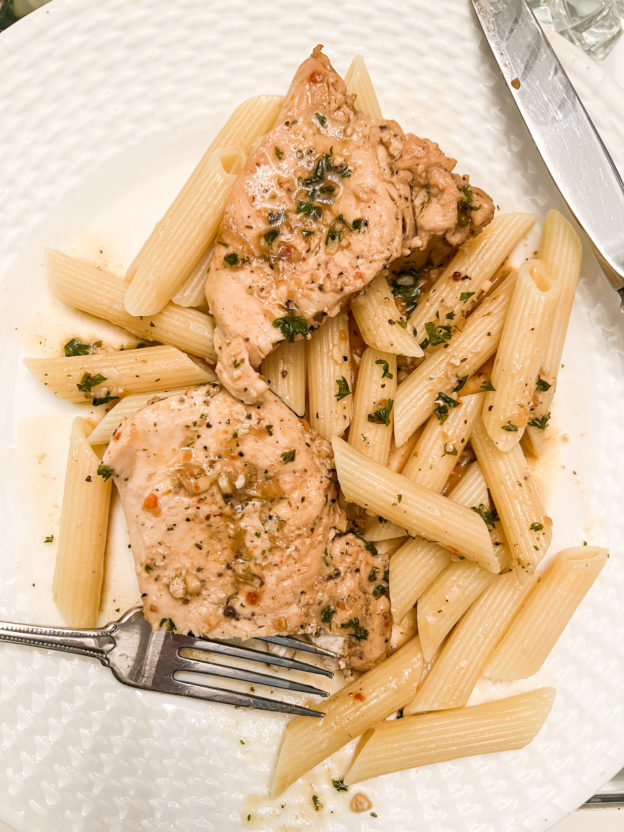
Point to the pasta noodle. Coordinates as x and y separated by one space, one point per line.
101 293
348 713
193 292
536 629
421 740
285 372
330 379
188 227
521 350
359 83
79 568
444 369
419 510
371 428
380 321
108 375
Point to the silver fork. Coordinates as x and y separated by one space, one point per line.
150 659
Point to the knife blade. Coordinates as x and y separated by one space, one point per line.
561 128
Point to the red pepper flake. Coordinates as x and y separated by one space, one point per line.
151 501
316 77
252 598
117 436
288 252
516 83
359 697
456 276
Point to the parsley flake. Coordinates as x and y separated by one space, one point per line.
343 388
105 471
542 384
292 325
539 422
289 456
381 416
386 368
88 381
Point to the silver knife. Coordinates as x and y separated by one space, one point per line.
564 134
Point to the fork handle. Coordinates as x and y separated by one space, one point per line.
94 643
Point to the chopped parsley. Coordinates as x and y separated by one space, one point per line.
465 296
510 427
309 209
327 613
105 399
536 527
49 538
359 633
487 385
168 624
339 785
322 120
276 217
269 429
465 206
542 385
231 259
289 456
489 517
315 801
292 325
148 568
270 237
368 544
407 287
461 380
77 347
442 411
88 381
449 450
343 388
279 153
437 334
356 225
539 422
381 416
380 589
386 368
372 575
105 471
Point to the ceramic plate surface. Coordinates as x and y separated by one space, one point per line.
104 108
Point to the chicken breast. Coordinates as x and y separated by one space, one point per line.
329 199
235 526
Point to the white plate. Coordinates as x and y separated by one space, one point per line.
103 109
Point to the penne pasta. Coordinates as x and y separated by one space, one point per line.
110 375
330 378
103 432
459 664
193 292
446 599
100 293
476 263
551 604
418 562
503 725
442 440
79 569
359 83
525 524
285 372
371 428
348 713
560 250
421 511
380 322
520 354
443 370
188 227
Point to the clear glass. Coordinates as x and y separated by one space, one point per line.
594 25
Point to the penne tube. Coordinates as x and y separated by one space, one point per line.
503 725
446 599
348 713
103 432
380 322
109 375
443 370
470 271
359 83
442 441
520 354
459 665
190 223
285 371
79 568
381 529
551 604
560 250
100 293
371 428
527 529
193 292
330 378
418 562
419 510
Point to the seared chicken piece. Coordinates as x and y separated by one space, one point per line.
236 529
329 199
